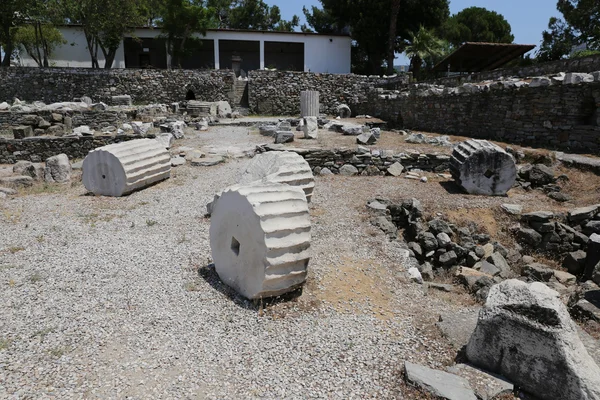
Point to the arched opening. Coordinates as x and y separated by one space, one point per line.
190 95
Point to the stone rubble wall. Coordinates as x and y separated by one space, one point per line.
365 161
559 116
583 64
143 85
38 149
278 92
94 119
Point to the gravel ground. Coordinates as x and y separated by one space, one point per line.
113 297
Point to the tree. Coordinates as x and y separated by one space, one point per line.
181 19
104 23
395 9
423 45
580 26
557 41
584 18
250 14
12 14
373 38
39 40
477 24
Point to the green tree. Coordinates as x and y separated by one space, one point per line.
477 24
104 23
39 40
370 25
557 41
250 14
181 20
423 45
580 25
12 13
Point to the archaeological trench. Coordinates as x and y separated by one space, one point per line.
487 191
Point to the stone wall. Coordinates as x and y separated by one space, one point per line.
583 64
334 159
94 119
558 116
143 85
278 92
38 149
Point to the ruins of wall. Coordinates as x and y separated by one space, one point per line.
558 116
334 159
38 149
143 85
278 92
583 64
94 119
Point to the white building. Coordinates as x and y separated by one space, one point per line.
295 51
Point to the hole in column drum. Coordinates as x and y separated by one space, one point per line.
235 246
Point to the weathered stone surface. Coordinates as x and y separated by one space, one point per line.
538 272
58 169
207 161
165 139
310 128
121 100
593 256
309 103
348 170
481 167
223 109
525 334
575 262
17 181
573 78
284 137
343 111
580 214
280 167
20 132
366 138
119 169
177 129
177 161
513 209
141 128
439 383
395 169
529 236
486 386
267 130
260 238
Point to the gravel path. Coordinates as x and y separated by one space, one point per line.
112 297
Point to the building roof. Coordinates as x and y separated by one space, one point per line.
235 31
481 56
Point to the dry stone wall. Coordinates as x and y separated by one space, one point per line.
143 85
278 92
557 116
38 149
583 64
93 119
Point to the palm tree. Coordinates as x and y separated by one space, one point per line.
424 44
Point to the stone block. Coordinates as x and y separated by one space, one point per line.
20 132
309 103
482 168
284 137
58 169
525 333
260 239
310 127
119 169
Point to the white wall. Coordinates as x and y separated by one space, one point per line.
74 53
322 53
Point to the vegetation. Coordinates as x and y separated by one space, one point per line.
579 26
476 24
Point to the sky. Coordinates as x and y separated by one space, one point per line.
528 18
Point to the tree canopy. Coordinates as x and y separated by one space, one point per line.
371 25
477 24
580 25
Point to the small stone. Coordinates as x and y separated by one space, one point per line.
574 262
325 171
448 259
177 161
538 272
443 240
284 137
366 138
564 277
207 161
512 209
395 169
415 275
439 383
348 170
538 216
58 169
529 236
